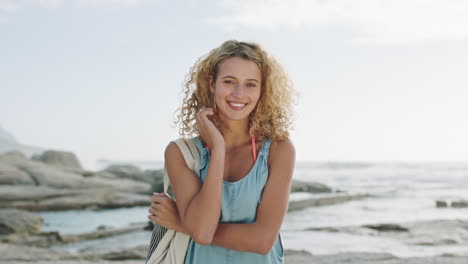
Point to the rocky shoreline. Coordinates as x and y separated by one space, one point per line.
17 254
55 181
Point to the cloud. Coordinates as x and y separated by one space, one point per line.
108 3
8 6
11 6
371 21
45 3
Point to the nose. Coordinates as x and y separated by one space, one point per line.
238 91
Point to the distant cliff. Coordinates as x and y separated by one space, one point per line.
9 143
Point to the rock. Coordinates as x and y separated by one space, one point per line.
49 239
126 171
326 229
459 204
453 204
46 175
342 258
102 233
153 177
426 233
123 185
387 227
15 253
324 200
80 199
13 156
11 175
87 174
17 221
441 204
139 252
290 252
156 179
312 187
105 175
61 159
11 193
437 243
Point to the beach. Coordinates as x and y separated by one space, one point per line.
54 211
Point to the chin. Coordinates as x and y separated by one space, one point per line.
235 116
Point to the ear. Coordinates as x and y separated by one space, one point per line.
212 85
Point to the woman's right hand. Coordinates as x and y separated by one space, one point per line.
208 130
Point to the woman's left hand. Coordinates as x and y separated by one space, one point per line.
163 211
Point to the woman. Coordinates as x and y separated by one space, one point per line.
238 100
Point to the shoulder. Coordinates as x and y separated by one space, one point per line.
172 152
173 149
282 153
282 148
281 161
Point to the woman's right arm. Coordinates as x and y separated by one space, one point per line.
199 205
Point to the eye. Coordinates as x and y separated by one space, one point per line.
228 81
251 85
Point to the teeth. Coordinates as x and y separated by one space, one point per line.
237 105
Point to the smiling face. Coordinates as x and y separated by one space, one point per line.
237 88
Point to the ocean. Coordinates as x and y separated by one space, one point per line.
399 193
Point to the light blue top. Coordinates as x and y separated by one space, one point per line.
240 201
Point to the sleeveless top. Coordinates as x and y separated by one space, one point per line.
239 205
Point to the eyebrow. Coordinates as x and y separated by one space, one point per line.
229 76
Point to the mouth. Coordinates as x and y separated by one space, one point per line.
237 105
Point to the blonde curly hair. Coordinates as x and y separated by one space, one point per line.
272 117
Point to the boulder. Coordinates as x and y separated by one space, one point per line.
460 204
453 204
16 253
61 159
81 199
441 204
115 254
126 171
17 221
156 179
324 200
311 187
43 174
11 193
12 175
49 239
55 177
445 232
387 228
13 157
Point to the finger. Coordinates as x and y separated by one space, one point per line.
157 207
161 194
153 218
152 211
205 112
159 199
167 195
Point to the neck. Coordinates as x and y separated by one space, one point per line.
236 132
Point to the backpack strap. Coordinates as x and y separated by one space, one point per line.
191 156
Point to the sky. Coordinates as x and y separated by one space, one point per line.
378 80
